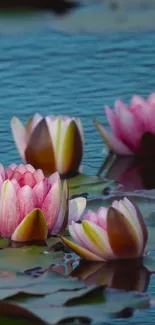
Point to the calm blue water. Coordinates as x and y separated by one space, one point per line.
76 75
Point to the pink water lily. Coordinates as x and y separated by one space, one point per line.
33 206
118 232
53 143
129 126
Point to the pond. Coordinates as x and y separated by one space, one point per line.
76 75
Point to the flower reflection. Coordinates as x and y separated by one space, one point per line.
127 275
132 173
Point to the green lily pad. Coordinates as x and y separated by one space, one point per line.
75 305
28 257
3 242
51 241
89 185
84 296
48 283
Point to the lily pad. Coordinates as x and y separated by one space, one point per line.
75 305
3 243
83 184
48 283
29 257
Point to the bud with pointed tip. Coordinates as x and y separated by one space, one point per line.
50 143
108 234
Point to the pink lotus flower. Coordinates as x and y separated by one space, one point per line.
115 233
32 206
129 126
51 143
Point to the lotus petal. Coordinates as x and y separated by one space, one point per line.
81 251
70 158
9 209
54 178
39 151
128 123
140 220
91 216
27 179
62 217
76 208
151 99
51 205
41 190
36 119
114 144
113 120
32 228
102 217
27 201
122 236
20 135
38 175
99 238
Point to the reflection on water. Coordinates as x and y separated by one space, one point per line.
126 275
133 173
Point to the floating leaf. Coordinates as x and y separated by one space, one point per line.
3 242
84 296
52 241
76 306
83 184
21 259
46 284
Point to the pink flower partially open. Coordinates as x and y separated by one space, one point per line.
32 206
51 143
129 125
115 233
